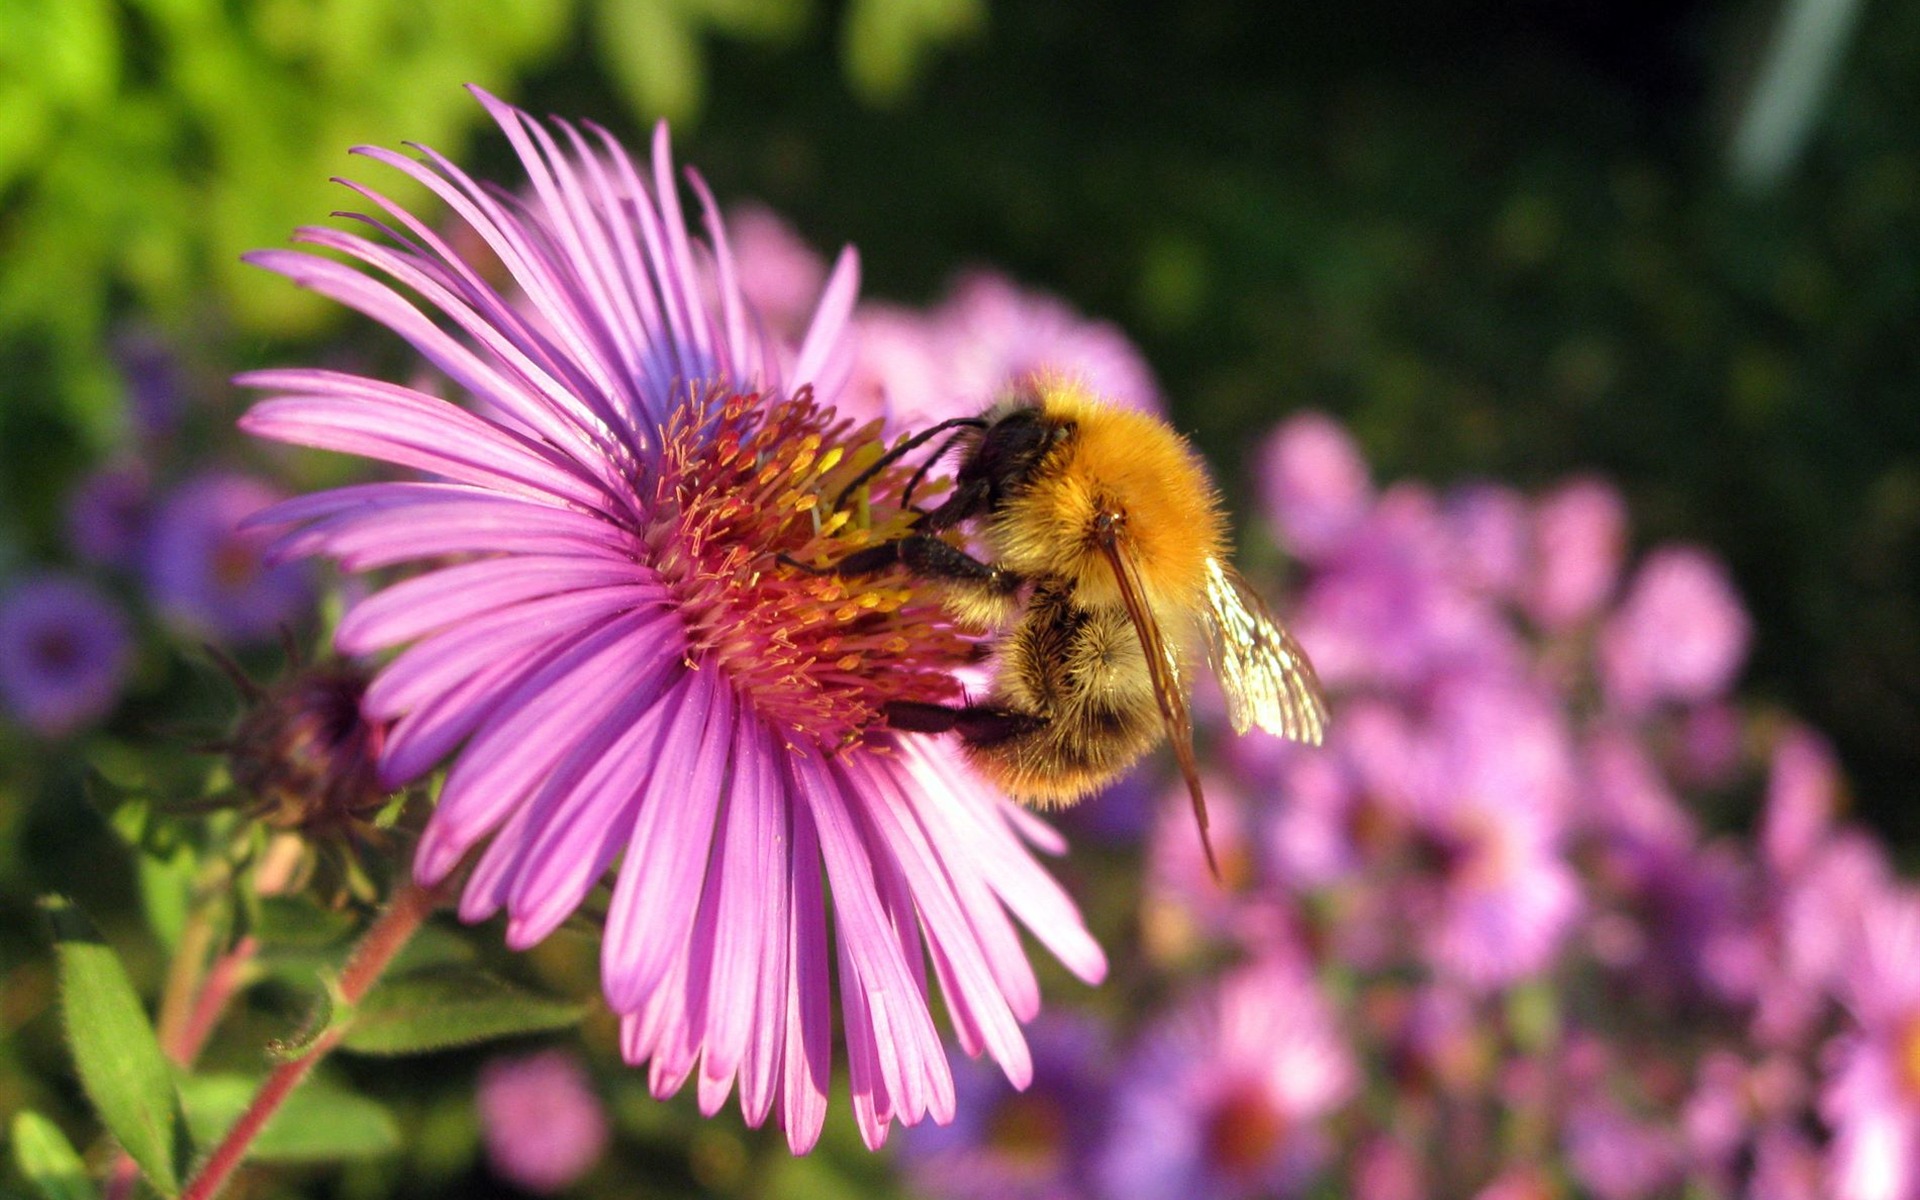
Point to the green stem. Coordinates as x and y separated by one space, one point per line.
409 908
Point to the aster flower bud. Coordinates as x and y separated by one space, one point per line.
304 755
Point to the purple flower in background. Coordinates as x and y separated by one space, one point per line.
64 653
208 576
540 1120
155 398
620 667
1021 1145
1680 634
1226 1099
1314 485
107 514
1579 542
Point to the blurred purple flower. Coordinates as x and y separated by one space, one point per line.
626 673
155 399
1313 484
65 651
542 1124
108 512
1680 634
1226 1098
208 576
1020 1145
1579 542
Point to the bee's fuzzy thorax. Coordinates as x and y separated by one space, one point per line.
1115 459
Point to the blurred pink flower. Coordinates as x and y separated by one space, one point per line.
1803 785
540 1120
1579 542
1490 526
1616 1156
1313 484
1387 606
780 275
1680 634
1871 1097
900 374
1226 1099
993 332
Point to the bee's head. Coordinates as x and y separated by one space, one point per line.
1020 434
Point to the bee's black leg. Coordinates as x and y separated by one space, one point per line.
977 724
925 556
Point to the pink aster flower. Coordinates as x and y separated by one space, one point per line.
1227 1098
1680 633
997 332
618 665
1314 483
1871 1099
542 1124
1579 541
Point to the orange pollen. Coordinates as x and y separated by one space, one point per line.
745 484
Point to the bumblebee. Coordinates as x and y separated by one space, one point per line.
1105 561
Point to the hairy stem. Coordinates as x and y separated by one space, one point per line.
383 940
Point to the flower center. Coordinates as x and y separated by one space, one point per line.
56 651
1244 1131
1908 1062
745 484
1028 1129
234 564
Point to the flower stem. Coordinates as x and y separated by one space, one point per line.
384 939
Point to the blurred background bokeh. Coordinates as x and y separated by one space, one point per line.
1675 244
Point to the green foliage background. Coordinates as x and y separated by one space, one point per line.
1499 238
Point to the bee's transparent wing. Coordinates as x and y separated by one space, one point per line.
1263 671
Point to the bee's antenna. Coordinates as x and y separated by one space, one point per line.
892 456
920 473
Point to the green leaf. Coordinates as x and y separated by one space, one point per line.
48 1160
320 1122
296 921
114 1049
439 1009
